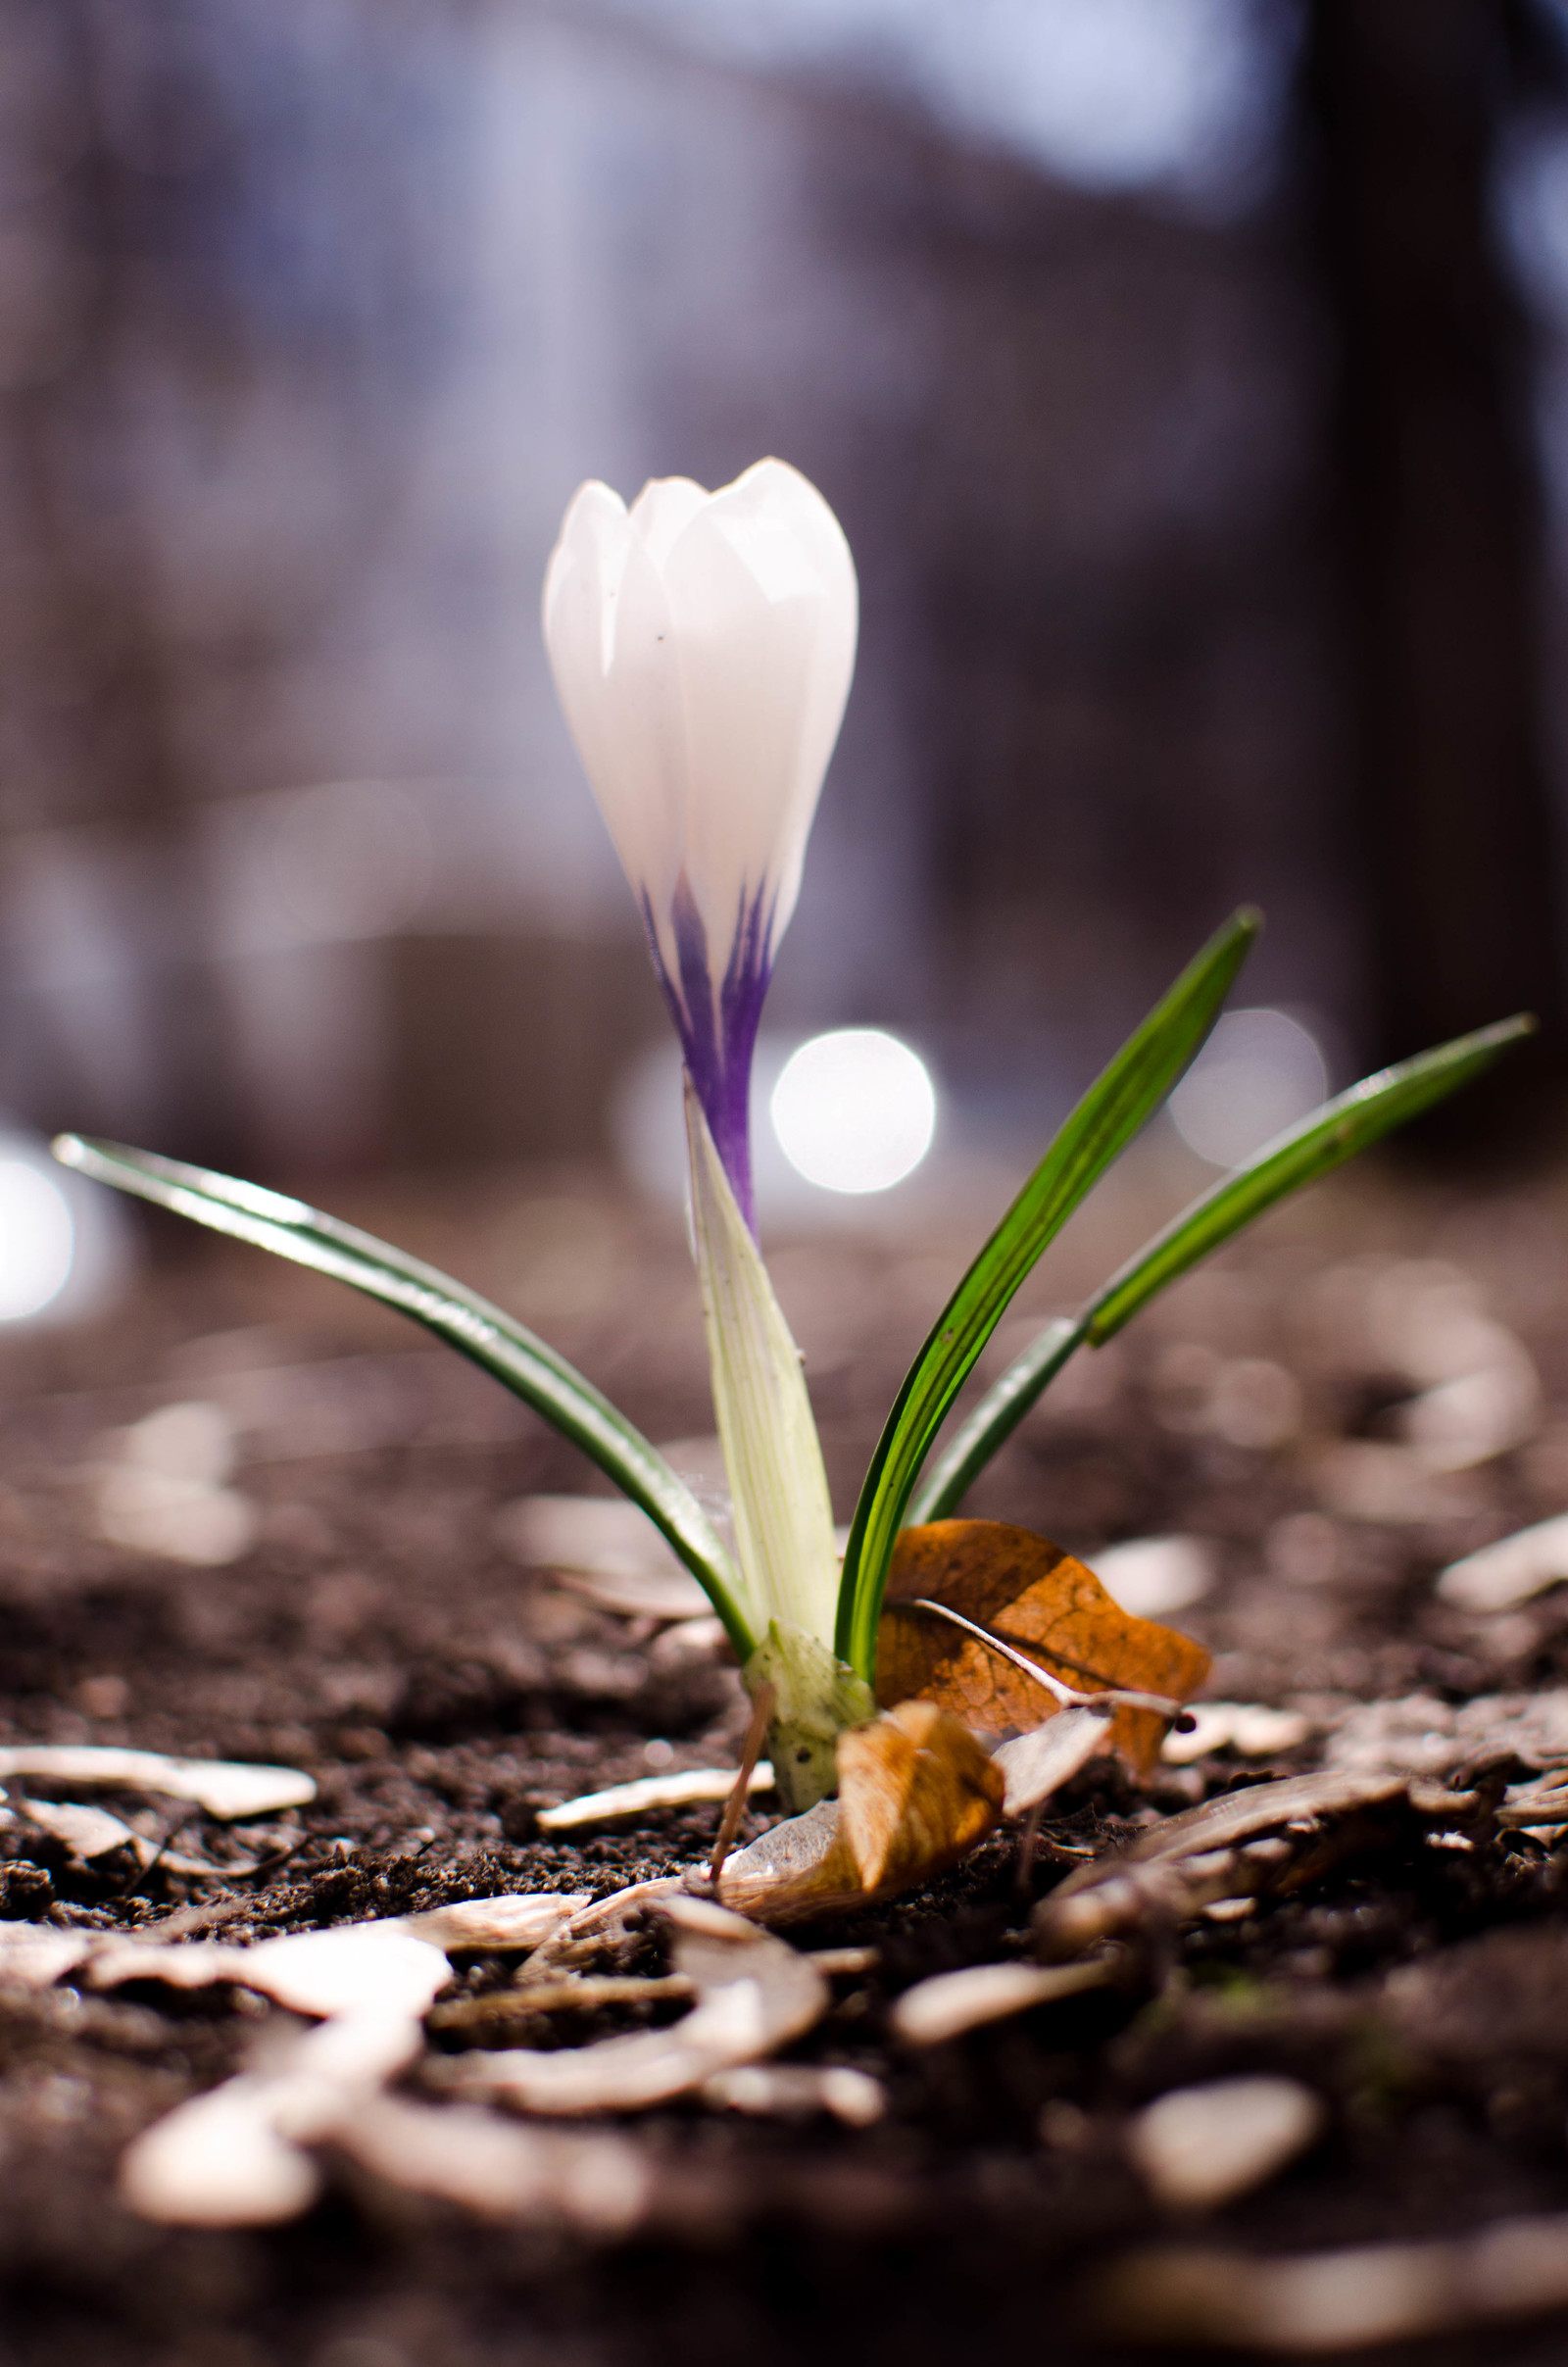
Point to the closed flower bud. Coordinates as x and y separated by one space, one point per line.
702 646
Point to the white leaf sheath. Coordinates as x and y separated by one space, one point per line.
783 1515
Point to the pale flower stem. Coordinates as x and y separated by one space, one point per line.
783 1514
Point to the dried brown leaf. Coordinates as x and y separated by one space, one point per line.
1237 1816
917 1790
1228 1848
1034 1596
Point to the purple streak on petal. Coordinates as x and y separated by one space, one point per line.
718 1034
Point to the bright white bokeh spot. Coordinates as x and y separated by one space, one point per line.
854 1110
1259 1073
37 1240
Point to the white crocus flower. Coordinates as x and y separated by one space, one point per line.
702 646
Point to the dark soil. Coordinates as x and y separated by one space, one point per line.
379 1637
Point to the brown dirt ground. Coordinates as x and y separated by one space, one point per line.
377 1636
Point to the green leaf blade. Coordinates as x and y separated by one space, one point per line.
1323 1141
1320 1142
995 1420
1119 1101
468 1322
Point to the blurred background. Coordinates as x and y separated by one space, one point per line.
1190 377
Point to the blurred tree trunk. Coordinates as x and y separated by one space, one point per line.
1439 534
93 628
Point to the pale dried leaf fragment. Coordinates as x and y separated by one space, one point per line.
1228 1848
1477 1414
1500 1577
754 1994
174 1519
87 1833
225 1789
1257 1808
790 1869
1248 1728
604 1927
799 2092
1425 1736
1152 1576
534 2001
394 1963
596 2183
219 2161
1035 1764
356 1968
512 1920
1198 2147
950 2003
1126 1901
693 1785
1538 1807
1374 1480
34 1955
92 1833
191 1964
1316 2303
234 2157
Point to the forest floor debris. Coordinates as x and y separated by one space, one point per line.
950 2129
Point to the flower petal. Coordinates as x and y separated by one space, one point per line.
762 600
703 646
608 632
665 507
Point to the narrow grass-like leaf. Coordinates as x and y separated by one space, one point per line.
995 1420
1321 1141
477 1329
1119 1101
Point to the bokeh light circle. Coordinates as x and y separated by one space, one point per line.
854 1110
37 1240
1259 1073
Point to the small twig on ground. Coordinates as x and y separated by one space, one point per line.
729 1823
195 1918
1025 1864
172 1831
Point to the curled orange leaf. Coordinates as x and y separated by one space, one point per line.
917 1790
1031 1594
